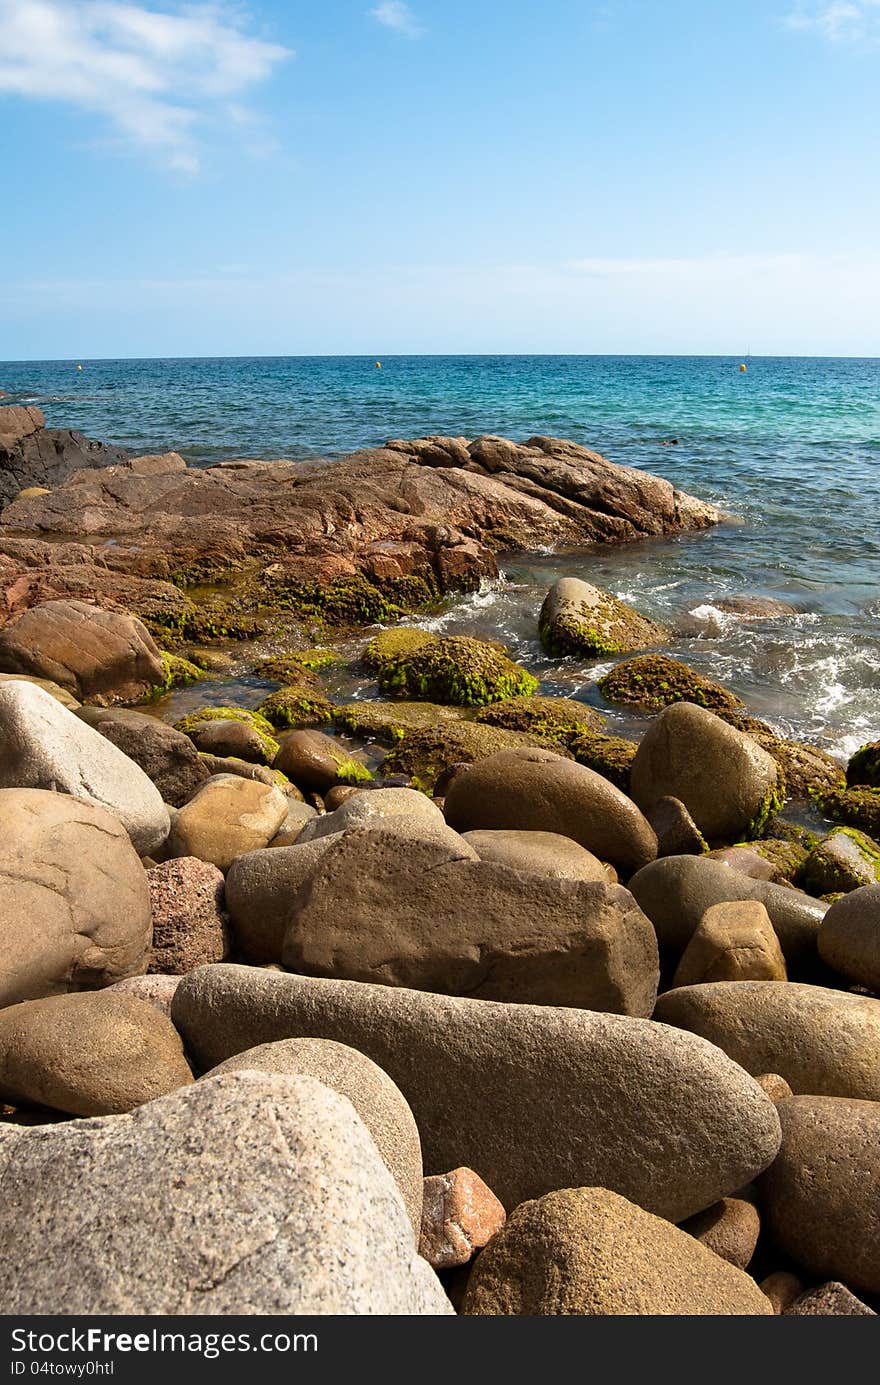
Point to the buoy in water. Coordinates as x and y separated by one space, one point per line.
743 369
79 367
378 365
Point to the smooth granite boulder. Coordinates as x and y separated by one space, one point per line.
100 656
849 938
251 1193
578 618
539 853
392 906
733 941
380 1105
45 746
260 891
74 903
588 1251
166 756
315 762
226 817
725 779
823 1042
374 806
534 790
675 893
98 1053
532 1097
821 1198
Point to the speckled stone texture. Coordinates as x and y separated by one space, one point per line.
189 924
249 1193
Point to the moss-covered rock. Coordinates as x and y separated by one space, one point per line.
350 602
807 769
580 619
424 755
842 861
654 681
556 719
298 705
787 856
179 673
610 756
863 769
389 645
854 807
456 670
389 722
250 718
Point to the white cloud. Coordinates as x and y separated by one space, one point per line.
154 75
397 15
839 21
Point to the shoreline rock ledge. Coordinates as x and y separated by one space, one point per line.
401 524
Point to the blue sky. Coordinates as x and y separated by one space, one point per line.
375 177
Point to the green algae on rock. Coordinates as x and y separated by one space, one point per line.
390 722
580 619
863 769
654 681
253 719
299 666
610 756
457 670
425 755
844 860
787 856
298 705
389 645
556 719
179 673
854 807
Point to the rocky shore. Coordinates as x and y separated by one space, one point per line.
443 1000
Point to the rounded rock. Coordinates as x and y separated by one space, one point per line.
227 817
189 925
849 938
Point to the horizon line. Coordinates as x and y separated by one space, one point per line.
452 355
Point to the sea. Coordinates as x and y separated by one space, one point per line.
789 448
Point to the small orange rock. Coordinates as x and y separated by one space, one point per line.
775 1086
460 1214
782 1289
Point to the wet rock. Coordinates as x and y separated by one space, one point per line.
260 891
189 925
369 912
578 618
538 791
821 1041
863 769
829 1300
676 891
821 1199
60 694
299 704
93 1054
250 1193
389 722
460 1215
677 833
730 1228
534 1097
166 756
555 719
651 682
380 1104
258 774
733 941
589 1251
75 909
539 853
44 746
746 861
728 784
454 669
426 757
755 607
849 938
227 817
855 807
234 738
316 762
610 756
98 656
374 807
844 860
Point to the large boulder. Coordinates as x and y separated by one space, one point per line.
729 784
676 891
74 905
849 937
405 909
823 1042
189 922
261 888
539 791
166 756
532 1097
44 746
250 1193
98 1053
226 817
99 656
821 1198
380 1105
651 682
578 618
588 1251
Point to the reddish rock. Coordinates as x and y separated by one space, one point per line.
775 1086
99 656
460 1214
189 925
829 1300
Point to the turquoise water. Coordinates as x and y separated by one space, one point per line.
791 448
